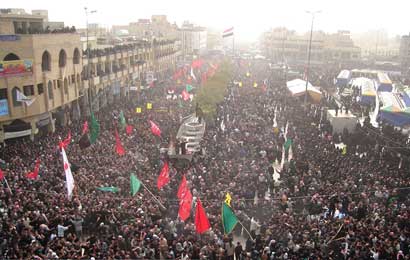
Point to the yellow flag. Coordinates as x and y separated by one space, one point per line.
240 84
228 199
149 106
248 74
255 85
138 110
344 151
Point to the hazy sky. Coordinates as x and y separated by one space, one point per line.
250 17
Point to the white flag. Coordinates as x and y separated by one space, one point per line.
192 74
68 175
22 98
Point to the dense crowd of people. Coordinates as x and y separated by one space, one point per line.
327 203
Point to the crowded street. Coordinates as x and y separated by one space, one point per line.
295 193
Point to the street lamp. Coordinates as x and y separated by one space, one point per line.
88 55
309 51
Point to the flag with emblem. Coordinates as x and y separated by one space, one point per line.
185 204
228 199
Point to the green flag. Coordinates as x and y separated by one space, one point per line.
287 144
108 189
229 220
122 120
188 87
95 129
135 184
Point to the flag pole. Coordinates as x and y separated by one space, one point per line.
247 231
8 186
155 198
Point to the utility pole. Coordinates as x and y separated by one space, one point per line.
88 57
308 56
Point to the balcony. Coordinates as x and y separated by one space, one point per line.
124 54
95 81
119 74
112 76
111 57
118 55
125 72
86 84
104 79
102 58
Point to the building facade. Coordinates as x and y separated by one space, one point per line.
285 46
193 39
404 53
47 80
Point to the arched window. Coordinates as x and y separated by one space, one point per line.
14 94
76 56
50 90
46 61
62 59
11 56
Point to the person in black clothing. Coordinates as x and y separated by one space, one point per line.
238 251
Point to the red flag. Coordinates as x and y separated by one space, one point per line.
129 129
85 128
1 175
118 146
34 174
66 141
155 129
185 205
196 63
185 95
201 220
163 177
204 78
182 188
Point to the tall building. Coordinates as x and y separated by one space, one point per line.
404 53
283 45
193 38
44 67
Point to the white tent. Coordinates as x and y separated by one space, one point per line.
297 88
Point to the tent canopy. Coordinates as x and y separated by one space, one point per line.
297 88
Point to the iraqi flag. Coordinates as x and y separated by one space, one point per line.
68 175
227 32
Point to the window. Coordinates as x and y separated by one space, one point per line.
50 90
14 93
46 61
66 86
40 88
59 83
62 59
28 90
76 56
3 93
11 56
73 79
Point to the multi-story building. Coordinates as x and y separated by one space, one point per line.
44 67
283 45
156 27
46 78
113 70
404 53
193 39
